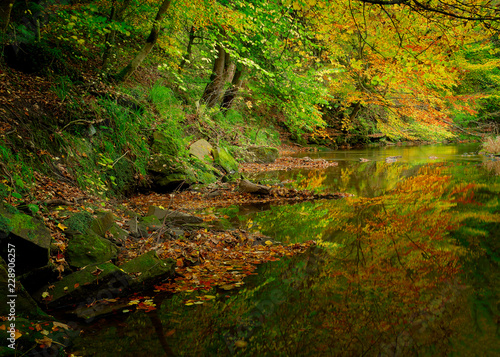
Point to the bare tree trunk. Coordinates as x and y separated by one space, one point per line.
232 91
117 13
150 42
211 95
5 10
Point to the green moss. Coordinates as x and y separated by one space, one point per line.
5 225
80 222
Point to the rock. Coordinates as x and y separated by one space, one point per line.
149 224
247 186
23 304
103 223
164 144
168 175
202 150
93 282
118 234
256 154
174 217
363 160
391 159
264 154
28 235
225 160
433 157
89 248
147 268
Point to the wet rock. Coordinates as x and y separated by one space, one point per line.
202 150
363 160
391 159
174 217
147 268
433 157
91 283
89 248
28 235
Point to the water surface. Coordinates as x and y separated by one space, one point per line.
408 266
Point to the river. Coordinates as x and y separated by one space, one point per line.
406 266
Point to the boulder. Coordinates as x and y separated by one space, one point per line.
164 144
256 154
147 268
202 150
103 223
225 160
167 174
91 283
28 235
89 248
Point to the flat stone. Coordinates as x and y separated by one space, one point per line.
94 282
202 150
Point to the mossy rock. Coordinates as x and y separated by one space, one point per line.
224 159
148 267
25 226
168 175
164 144
118 233
80 222
24 305
264 154
148 224
89 248
28 235
103 223
93 282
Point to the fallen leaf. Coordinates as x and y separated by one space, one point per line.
241 343
46 341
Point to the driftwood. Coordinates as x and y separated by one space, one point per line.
247 186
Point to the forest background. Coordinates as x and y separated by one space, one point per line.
90 90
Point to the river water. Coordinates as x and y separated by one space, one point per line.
407 266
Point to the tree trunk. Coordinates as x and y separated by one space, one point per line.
232 91
187 56
5 10
213 90
150 42
117 13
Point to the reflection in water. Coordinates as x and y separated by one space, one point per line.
408 267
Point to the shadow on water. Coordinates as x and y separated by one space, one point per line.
407 267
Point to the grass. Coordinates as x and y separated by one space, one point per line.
492 145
